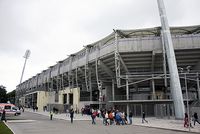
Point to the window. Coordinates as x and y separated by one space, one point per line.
14 108
7 107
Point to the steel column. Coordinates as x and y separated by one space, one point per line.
127 95
99 83
113 89
86 68
117 61
164 59
153 88
174 77
198 86
90 84
76 77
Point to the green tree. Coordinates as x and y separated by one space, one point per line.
11 97
3 97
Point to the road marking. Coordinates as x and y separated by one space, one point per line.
20 121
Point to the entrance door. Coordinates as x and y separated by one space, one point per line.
64 98
71 99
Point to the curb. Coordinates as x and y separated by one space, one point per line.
167 129
9 127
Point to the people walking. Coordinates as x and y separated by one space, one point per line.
195 116
94 114
111 117
106 118
143 117
51 115
130 117
186 120
123 118
72 115
118 118
3 116
103 116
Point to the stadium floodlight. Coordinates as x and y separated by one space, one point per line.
172 65
26 56
17 97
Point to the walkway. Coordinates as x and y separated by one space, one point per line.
169 124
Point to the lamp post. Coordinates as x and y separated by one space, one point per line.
187 103
26 56
186 91
100 94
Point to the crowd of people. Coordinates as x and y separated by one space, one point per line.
111 117
187 120
117 117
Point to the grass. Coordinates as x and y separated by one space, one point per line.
4 129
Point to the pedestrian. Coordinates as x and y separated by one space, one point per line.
82 111
123 121
195 116
111 117
125 118
94 114
3 116
118 118
103 116
106 118
72 115
130 117
51 115
143 117
186 121
22 108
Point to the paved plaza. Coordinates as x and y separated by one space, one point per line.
39 123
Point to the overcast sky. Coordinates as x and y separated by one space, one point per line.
54 29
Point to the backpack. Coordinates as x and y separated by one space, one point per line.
94 114
110 116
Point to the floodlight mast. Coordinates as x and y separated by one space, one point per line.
17 96
26 56
174 76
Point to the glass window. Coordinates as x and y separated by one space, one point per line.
7 107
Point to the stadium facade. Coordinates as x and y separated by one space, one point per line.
127 70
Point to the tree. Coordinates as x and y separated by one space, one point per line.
11 97
3 97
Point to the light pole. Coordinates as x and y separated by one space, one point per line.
100 94
172 65
26 56
188 108
186 91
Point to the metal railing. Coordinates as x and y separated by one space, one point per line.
88 99
191 96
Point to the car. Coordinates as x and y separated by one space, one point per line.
11 109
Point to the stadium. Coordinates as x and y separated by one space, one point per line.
127 70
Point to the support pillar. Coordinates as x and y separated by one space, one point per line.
127 95
168 111
113 89
198 86
90 85
174 77
156 110
153 88
67 98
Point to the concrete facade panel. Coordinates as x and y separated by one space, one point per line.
138 45
42 99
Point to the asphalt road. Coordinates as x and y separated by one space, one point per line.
32 123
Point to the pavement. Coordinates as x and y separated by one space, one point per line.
168 124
